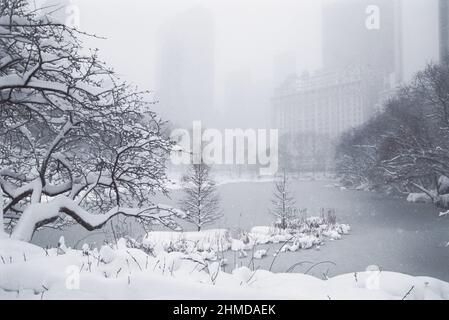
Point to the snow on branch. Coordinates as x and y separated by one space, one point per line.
38 213
74 138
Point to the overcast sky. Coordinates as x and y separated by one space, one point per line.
248 32
248 36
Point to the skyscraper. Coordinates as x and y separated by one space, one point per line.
284 66
360 33
361 61
185 76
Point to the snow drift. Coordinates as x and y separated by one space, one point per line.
119 272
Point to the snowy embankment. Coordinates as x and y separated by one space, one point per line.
208 245
30 272
175 183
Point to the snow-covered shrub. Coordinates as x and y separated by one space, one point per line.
303 232
107 254
259 254
207 243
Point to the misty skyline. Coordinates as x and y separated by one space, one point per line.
250 36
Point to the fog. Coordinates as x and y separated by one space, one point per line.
342 168
250 48
247 38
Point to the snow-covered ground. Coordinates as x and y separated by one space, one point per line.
30 272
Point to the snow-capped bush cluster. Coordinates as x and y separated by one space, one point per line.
303 233
208 245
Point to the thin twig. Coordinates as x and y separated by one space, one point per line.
319 263
408 293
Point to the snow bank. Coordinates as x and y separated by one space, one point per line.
419 198
132 274
443 185
217 240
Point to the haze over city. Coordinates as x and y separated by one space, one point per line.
253 44
224 150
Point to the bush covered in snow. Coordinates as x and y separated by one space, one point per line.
301 232
313 231
207 244
419 198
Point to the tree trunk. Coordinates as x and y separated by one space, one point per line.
2 226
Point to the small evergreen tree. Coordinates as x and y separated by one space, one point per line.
283 202
201 202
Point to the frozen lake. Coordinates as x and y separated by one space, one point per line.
387 232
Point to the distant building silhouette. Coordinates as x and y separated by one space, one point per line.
360 33
239 94
284 65
361 64
327 103
186 63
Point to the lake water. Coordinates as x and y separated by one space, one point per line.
388 232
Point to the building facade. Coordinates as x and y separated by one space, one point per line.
361 61
327 102
360 33
185 80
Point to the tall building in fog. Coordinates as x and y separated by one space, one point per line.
284 66
444 28
360 33
362 63
239 93
185 75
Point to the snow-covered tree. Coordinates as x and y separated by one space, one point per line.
77 144
201 202
404 148
283 203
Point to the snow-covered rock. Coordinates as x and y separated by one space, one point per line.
443 185
419 198
260 254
